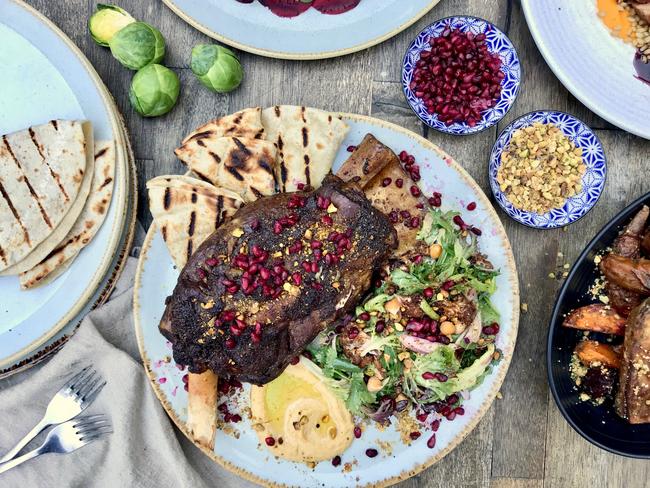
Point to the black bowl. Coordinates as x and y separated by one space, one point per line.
598 424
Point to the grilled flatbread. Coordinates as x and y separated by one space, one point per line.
246 123
42 250
187 210
202 407
307 139
91 219
241 164
41 172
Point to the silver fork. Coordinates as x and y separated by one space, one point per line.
72 399
66 438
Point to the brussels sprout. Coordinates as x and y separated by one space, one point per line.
216 67
108 19
137 45
154 90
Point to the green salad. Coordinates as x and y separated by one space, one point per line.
424 336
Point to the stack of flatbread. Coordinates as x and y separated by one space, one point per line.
231 161
56 185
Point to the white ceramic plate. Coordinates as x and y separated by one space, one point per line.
156 277
46 77
592 64
312 35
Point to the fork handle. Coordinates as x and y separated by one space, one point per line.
19 460
24 441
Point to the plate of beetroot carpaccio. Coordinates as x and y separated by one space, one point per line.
301 29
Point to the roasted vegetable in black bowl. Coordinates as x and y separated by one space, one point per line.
598 350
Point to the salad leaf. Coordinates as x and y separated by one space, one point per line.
359 394
406 282
376 303
378 343
426 308
488 313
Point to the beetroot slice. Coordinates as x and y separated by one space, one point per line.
334 7
286 8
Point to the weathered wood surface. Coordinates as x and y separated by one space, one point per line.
522 442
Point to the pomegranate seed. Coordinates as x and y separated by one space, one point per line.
458 220
441 377
327 220
230 343
297 279
431 442
448 285
317 286
357 432
365 316
471 206
315 244
417 259
403 156
414 435
435 425
300 186
295 360
201 273
353 333
380 326
451 416
452 399
386 181
459 411
393 216
371 453
428 292
270 441
212 262
254 224
277 227
405 214
415 222
422 417
255 337
336 461
476 231
415 191
435 201
352 148
314 267
428 375
399 182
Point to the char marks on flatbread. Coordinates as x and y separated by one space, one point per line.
187 210
90 220
41 171
307 139
246 123
240 164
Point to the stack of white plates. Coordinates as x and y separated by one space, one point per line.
46 77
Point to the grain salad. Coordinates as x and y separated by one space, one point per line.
540 168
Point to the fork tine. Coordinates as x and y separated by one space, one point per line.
83 381
75 378
89 385
92 426
81 421
90 396
95 436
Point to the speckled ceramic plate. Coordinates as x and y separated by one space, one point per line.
593 181
593 65
45 77
156 277
312 35
497 43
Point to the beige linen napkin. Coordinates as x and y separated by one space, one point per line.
145 450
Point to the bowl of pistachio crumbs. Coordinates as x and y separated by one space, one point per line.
547 169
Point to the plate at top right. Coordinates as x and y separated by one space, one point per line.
596 67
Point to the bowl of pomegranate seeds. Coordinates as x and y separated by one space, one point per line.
461 75
547 169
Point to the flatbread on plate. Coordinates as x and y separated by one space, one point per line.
307 139
246 123
91 219
42 250
241 164
41 172
187 210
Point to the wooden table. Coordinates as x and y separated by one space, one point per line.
523 441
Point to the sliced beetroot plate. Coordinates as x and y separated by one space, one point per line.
334 7
286 8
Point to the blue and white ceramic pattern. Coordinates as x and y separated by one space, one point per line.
593 180
497 42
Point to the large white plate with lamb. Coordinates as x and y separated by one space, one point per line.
350 333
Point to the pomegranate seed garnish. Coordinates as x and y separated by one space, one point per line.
476 231
422 417
459 411
365 316
270 441
471 206
431 442
452 399
327 220
336 461
399 182
415 191
255 337
451 416
458 220
317 286
297 278
300 186
212 261
315 244
386 181
435 201
405 214
403 156
353 332
428 292
448 285
435 425
428 375
352 148
415 435
441 377
393 216
254 224
357 432
277 227
415 222
380 326
201 273
371 453
230 343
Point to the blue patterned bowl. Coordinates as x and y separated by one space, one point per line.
593 180
497 42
